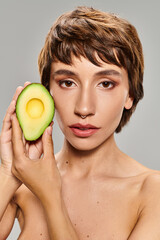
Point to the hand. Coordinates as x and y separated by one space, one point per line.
40 175
5 136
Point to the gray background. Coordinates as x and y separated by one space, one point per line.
23 28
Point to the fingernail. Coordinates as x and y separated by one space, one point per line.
49 130
51 123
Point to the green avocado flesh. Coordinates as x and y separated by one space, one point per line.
34 110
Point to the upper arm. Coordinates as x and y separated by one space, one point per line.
7 221
148 224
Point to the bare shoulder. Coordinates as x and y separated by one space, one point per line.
148 223
152 179
145 176
151 186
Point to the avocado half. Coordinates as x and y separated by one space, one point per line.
35 110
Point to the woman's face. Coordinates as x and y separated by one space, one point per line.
99 93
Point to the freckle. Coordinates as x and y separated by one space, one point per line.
75 224
87 236
97 202
41 234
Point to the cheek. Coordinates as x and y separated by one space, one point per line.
59 106
112 109
63 109
60 113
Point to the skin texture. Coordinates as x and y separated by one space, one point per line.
87 96
90 189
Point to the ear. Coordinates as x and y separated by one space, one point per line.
128 103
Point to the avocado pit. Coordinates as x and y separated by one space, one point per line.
35 108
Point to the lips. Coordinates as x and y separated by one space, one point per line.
82 130
83 127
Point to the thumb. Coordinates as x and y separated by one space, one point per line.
47 142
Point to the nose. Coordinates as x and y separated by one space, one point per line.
85 103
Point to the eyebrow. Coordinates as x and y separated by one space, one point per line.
108 72
63 72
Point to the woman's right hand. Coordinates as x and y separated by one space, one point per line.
6 133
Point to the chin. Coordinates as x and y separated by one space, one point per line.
85 144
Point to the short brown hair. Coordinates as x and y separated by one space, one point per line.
86 31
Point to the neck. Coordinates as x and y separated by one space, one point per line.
80 163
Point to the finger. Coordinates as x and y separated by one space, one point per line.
18 91
25 144
27 83
11 109
27 149
17 141
7 119
47 142
24 140
51 124
5 137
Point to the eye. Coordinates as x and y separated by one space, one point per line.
66 83
107 84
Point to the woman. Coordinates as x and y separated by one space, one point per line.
92 64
